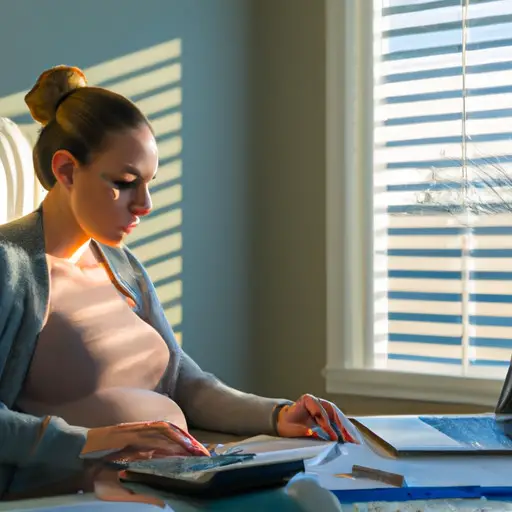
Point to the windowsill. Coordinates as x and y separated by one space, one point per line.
413 386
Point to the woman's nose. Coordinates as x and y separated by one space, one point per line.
143 205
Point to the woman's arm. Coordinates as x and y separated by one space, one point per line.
26 440
211 405
49 444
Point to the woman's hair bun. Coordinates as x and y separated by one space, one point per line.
52 86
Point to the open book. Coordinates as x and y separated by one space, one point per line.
254 451
261 461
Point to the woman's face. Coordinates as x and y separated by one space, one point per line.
109 195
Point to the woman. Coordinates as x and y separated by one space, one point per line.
83 339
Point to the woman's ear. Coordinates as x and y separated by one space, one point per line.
64 165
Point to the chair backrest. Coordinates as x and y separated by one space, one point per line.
20 191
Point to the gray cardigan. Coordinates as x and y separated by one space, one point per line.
24 295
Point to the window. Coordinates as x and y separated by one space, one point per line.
422 263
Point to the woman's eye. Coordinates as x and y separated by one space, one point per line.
123 185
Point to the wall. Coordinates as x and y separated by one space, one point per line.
288 190
289 286
194 54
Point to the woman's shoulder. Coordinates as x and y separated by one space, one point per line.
21 244
14 268
25 233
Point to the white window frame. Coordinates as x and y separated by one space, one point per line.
349 232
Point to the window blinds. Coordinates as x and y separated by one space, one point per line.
442 183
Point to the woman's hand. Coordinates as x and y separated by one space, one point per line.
132 441
141 440
313 417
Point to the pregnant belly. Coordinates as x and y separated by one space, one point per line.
111 406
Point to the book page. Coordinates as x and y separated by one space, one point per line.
265 444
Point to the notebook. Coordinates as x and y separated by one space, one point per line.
485 434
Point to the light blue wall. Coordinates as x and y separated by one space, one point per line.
35 35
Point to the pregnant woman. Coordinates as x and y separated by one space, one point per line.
88 362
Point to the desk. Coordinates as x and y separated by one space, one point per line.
278 500
292 498
274 500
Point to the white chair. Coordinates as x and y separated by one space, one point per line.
20 192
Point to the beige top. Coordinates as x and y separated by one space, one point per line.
96 362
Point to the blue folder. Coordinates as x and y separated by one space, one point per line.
423 493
